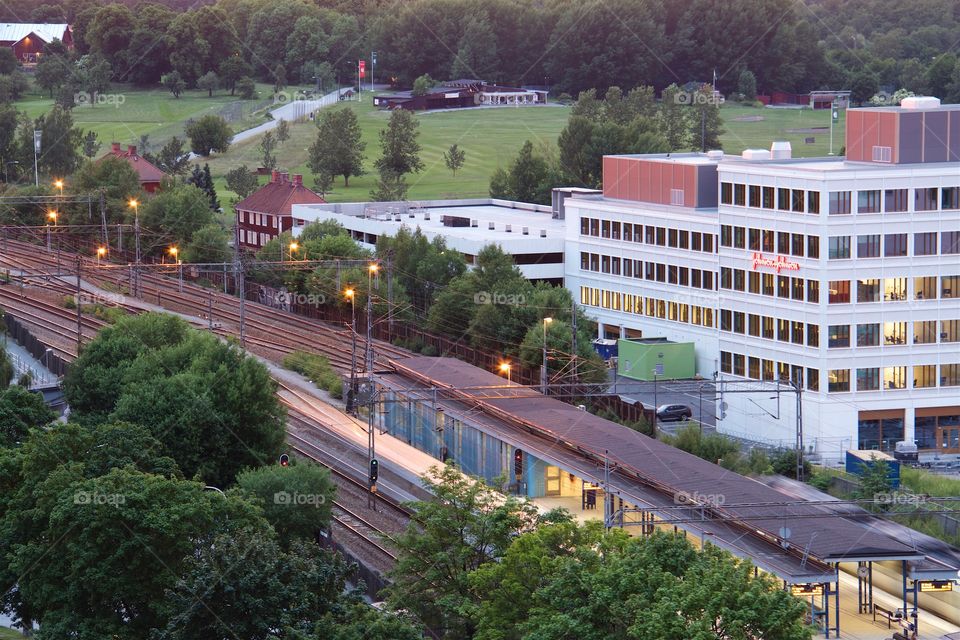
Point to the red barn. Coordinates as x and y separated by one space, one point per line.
150 175
29 40
267 212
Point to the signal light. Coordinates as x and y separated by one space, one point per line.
374 470
284 460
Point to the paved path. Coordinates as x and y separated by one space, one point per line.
290 111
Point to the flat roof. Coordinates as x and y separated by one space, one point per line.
749 506
686 157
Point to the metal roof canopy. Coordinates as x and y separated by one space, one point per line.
818 529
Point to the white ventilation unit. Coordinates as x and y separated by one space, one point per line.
491 226
756 154
426 215
543 233
781 150
526 231
509 228
715 154
474 223
920 102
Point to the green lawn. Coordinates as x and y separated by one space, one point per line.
753 128
10 634
490 137
131 112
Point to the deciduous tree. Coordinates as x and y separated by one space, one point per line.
454 157
209 134
338 149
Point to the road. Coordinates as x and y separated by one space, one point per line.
686 392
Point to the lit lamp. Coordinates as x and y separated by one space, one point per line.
505 369
351 295
293 247
59 185
173 253
101 252
543 373
52 216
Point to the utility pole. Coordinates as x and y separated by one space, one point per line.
798 389
389 289
573 338
103 217
241 291
79 307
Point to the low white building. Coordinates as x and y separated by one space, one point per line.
528 232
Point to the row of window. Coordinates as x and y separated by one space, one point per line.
646 306
892 289
769 284
763 369
840 202
895 245
758 326
254 238
892 333
260 219
654 271
649 234
794 244
875 378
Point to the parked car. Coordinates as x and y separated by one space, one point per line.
673 412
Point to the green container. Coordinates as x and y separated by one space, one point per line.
641 358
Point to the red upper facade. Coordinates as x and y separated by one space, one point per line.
921 130
150 176
682 179
267 212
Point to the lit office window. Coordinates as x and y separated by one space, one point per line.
924 376
925 288
894 377
838 380
924 331
894 333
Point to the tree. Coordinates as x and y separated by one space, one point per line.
115 178
8 62
172 158
391 187
246 87
232 70
91 144
590 367
179 211
20 410
267 145
875 484
296 500
210 243
283 131
573 144
454 158
202 179
705 122
209 82
528 179
673 118
52 71
747 85
338 149
939 74
59 141
242 181
400 151
279 78
174 83
92 76
422 85
13 86
863 86
209 134
6 369
464 526
476 51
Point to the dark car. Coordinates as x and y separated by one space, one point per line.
673 412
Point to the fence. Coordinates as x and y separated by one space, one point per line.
54 363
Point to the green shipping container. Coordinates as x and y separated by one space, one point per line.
641 358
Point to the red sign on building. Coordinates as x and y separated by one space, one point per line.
363 68
778 263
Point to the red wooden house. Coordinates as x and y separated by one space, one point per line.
29 40
268 211
150 175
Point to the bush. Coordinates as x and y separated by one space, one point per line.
429 350
821 481
316 368
785 463
246 88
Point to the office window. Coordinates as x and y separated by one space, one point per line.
753 368
950 242
726 320
950 198
584 261
796 244
924 332
695 278
783 242
684 239
726 278
949 286
783 286
796 200
813 379
768 369
796 332
813 335
695 238
950 331
839 291
924 376
868 246
768 289
813 291
925 199
868 379
838 336
868 335
650 234
868 201
615 266
615 230
838 380
726 193
868 290
768 198
813 246
753 325
767 323
753 282
708 280
595 227
839 247
895 245
661 236
949 375
739 238
783 199
650 270
672 240
684 276
740 195
925 244
753 240
605 229
839 203
894 377
726 361
605 264
584 226
738 364
895 200
813 202
894 333
661 272
894 289
673 276
796 288
708 242
738 322
739 277
627 232
925 288
767 241
754 193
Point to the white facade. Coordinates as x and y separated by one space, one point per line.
863 308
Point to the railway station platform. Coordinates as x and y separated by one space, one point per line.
557 455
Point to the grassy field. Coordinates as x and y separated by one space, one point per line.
756 128
490 138
127 113
10 634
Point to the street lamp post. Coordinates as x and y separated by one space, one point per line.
655 405
293 247
351 294
51 217
136 241
174 253
505 368
59 184
371 271
543 371
101 252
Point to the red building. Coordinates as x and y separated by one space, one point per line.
267 212
150 175
29 40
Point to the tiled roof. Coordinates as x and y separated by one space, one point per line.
278 196
147 171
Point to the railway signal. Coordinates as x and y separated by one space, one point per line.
284 460
374 471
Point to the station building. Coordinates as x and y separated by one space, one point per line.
841 275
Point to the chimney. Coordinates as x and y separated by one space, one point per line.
274 176
298 179
132 150
284 177
115 147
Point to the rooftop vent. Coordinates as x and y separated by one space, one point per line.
509 228
715 154
526 231
543 233
756 154
491 226
455 221
426 215
474 223
920 102
397 217
781 150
